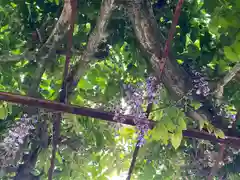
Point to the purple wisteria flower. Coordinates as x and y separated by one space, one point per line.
200 84
132 104
13 140
233 117
153 90
142 130
141 140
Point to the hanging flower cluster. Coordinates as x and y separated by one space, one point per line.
207 159
201 88
132 104
200 84
153 90
229 114
14 139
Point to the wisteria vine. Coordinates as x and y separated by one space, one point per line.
14 139
136 96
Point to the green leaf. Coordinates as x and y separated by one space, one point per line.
176 139
58 157
180 61
77 99
230 54
237 3
210 128
4 28
13 5
172 112
85 84
101 82
57 2
197 43
201 124
149 172
193 51
160 132
182 124
109 137
169 124
126 132
76 29
99 138
111 90
9 108
236 47
219 133
196 105
87 27
238 34
210 5
223 21
3 112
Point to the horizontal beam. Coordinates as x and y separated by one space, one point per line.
107 116
60 107
228 140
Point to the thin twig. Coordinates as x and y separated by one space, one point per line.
228 77
225 80
15 58
134 158
170 36
163 107
137 147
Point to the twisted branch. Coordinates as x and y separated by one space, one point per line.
63 95
228 77
225 80
176 80
97 36
42 56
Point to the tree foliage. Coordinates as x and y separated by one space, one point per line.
116 49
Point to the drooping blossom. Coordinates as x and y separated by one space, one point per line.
13 140
200 84
132 104
153 90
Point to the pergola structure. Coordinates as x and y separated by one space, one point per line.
167 71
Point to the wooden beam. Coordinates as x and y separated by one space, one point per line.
107 116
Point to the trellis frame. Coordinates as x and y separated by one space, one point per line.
74 76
